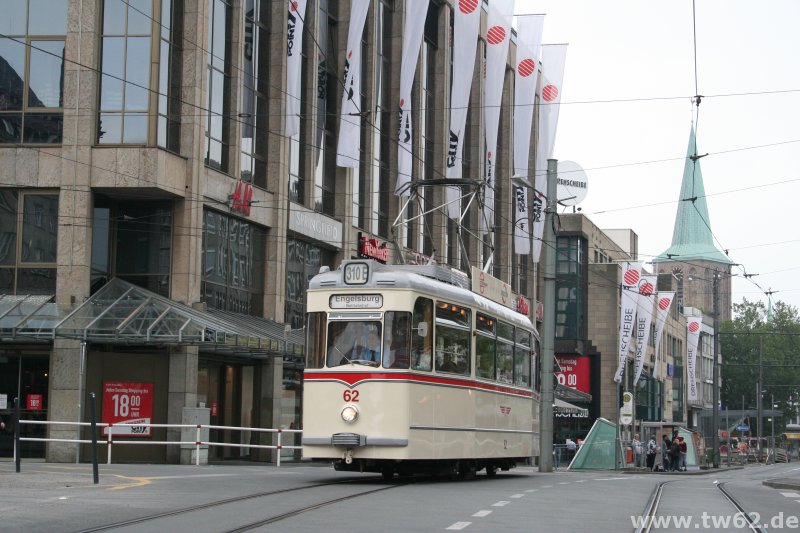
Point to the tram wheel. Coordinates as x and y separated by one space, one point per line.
387 474
491 471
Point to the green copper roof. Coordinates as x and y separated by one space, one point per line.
692 237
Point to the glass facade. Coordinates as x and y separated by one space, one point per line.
218 126
303 260
254 111
32 84
233 264
28 239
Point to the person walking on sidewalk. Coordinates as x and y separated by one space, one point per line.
652 450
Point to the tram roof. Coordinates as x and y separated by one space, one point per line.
437 281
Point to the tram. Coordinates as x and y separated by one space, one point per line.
409 371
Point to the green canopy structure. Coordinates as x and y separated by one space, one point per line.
598 449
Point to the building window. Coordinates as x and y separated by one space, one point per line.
169 75
233 264
218 126
125 82
28 238
571 288
254 93
302 263
32 71
132 240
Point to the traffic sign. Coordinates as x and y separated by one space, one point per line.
743 428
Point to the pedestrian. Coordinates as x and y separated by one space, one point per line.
682 449
571 448
652 449
674 455
665 453
636 444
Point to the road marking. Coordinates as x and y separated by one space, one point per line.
517 495
563 482
459 525
500 504
481 514
531 490
63 497
607 478
581 481
547 486
791 494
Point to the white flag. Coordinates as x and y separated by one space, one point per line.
465 43
693 327
416 10
664 301
644 315
631 272
553 58
349 147
529 44
294 60
498 35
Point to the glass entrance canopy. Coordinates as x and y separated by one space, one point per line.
123 313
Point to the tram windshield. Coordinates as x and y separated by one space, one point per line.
354 342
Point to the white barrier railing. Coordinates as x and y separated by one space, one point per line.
197 443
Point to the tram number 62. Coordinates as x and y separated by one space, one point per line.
350 396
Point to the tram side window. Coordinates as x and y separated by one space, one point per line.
537 385
522 359
396 339
485 347
453 336
315 340
422 335
505 353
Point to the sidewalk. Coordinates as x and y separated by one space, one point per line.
789 483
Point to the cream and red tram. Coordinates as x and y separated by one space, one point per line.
406 372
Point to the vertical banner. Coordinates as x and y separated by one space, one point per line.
294 60
644 316
349 147
692 337
664 301
498 35
529 44
416 11
465 43
553 59
631 273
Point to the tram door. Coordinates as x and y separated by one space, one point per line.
228 391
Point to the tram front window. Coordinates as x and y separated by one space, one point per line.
356 342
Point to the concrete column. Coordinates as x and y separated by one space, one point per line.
66 384
183 364
269 400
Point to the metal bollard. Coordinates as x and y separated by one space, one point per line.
95 471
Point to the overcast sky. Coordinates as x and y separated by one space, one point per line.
641 54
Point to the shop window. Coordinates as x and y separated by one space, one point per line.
28 242
233 264
32 84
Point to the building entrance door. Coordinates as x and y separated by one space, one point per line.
227 389
24 376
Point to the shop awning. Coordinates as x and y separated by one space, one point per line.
123 313
566 408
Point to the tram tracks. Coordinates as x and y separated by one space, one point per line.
151 522
649 520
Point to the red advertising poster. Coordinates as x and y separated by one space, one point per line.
130 404
574 372
35 402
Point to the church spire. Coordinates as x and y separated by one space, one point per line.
692 237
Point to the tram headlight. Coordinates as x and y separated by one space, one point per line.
349 413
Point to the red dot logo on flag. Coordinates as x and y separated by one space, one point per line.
550 93
526 67
467 6
694 326
294 6
663 303
489 155
631 277
402 101
646 288
349 54
496 35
